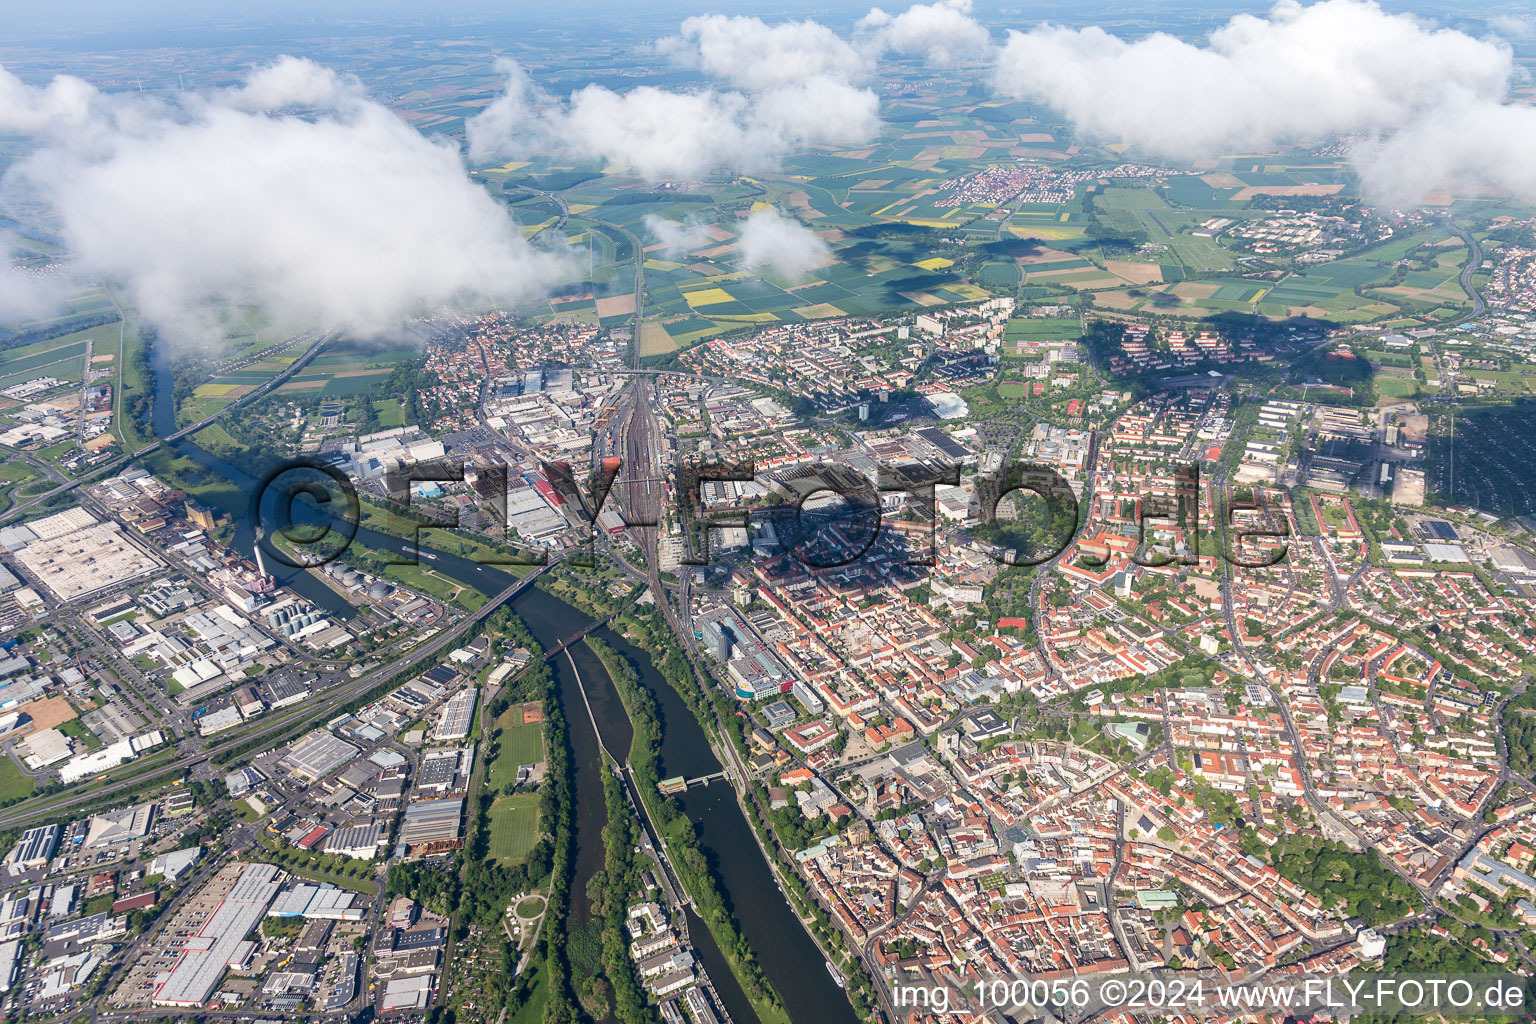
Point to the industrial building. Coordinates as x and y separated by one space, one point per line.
359 841
221 941
110 756
317 755
446 770
458 713
120 827
10 963
317 902
432 821
75 555
408 993
33 850
175 864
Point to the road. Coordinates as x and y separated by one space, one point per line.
642 494
125 460
1042 572
317 709
1331 824
1474 264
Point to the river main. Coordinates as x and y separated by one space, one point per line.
790 959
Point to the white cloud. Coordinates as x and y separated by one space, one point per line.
1513 26
1299 75
943 33
751 54
64 104
294 82
349 220
1303 73
663 134
677 237
1467 145
769 239
794 84
27 294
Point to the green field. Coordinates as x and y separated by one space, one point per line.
423 580
514 827
215 438
1396 387
519 744
61 357
21 479
133 382
390 412
341 371
1042 329
532 1011
1142 209
523 743
64 363
15 784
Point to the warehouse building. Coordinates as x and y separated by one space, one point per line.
360 841
75 555
408 993
317 755
432 821
221 941
458 712
33 850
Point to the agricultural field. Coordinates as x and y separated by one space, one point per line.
61 356
909 226
654 340
339 371
896 230
1144 210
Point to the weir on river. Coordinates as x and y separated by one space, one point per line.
790 960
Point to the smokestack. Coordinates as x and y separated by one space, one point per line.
261 556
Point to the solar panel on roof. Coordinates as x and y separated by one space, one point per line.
944 443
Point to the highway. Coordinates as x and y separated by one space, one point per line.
317 709
128 459
1474 263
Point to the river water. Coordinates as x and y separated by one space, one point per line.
790 960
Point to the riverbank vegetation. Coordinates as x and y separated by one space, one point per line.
645 625
685 852
611 890
488 885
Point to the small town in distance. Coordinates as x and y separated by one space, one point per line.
765 517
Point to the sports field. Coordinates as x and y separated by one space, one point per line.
514 827
519 744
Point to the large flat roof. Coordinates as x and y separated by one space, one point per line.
197 973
